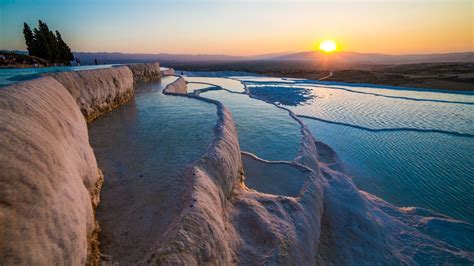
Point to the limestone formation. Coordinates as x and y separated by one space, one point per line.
146 72
98 91
168 72
177 87
51 183
49 178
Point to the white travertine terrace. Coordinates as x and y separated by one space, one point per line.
176 87
146 72
50 186
48 171
49 177
100 90
330 222
168 72
359 227
227 223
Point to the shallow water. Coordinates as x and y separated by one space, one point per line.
430 170
14 75
216 74
228 84
197 86
263 129
143 148
265 79
375 112
273 178
412 148
413 94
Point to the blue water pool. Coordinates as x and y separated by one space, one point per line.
264 130
143 148
14 75
409 147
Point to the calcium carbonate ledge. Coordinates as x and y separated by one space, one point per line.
146 72
214 228
49 174
381 232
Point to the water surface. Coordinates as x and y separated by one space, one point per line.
228 84
409 147
14 75
273 178
143 148
263 129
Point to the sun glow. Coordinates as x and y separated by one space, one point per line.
328 46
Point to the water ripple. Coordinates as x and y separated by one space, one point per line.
395 97
454 133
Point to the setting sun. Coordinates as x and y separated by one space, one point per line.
328 46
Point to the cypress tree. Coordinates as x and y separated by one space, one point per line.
41 42
64 51
47 41
46 44
29 39
54 47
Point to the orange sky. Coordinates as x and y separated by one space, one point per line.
246 27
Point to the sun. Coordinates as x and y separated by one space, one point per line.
328 46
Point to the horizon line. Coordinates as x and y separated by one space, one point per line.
255 55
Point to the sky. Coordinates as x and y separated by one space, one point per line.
245 27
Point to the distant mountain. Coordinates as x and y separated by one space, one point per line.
372 58
104 57
269 56
316 57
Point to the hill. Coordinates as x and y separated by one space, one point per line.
373 58
316 57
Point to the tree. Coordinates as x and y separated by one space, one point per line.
45 44
54 47
64 50
48 41
29 39
41 43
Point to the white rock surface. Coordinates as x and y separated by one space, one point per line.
359 227
49 174
49 177
226 223
146 72
98 91
50 184
330 222
201 234
177 87
168 72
